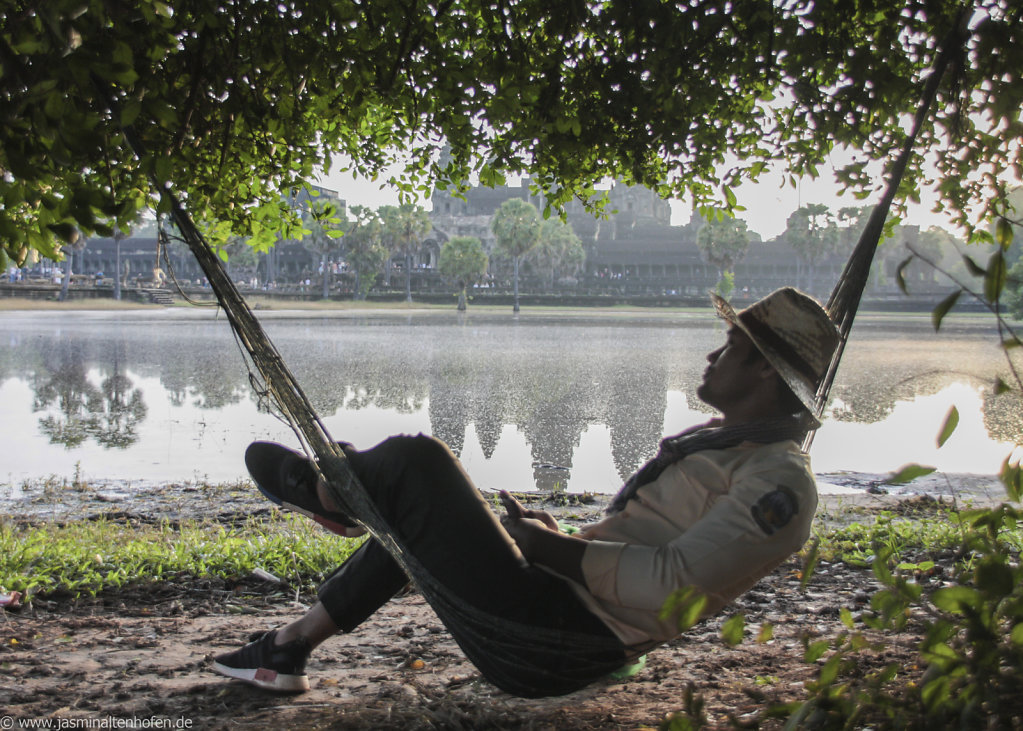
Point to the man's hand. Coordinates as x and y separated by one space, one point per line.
538 537
516 511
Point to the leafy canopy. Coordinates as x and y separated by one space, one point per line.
723 241
463 260
235 102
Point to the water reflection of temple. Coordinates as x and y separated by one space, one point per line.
84 386
551 385
552 397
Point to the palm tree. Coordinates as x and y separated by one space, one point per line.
364 249
75 244
119 236
322 234
558 247
404 228
517 228
812 232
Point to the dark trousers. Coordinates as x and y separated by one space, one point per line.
430 503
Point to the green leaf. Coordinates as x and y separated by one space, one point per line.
995 277
1003 233
1001 386
1017 634
732 629
810 559
993 577
815 651
829 673
884 574
900 274
951 422
973 267
908 473
1011 476
846 617
766 633
937 692
955 598
686 605
65 231
943 307
130 112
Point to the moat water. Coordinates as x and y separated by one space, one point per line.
573 402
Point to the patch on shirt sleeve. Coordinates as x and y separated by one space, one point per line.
775 509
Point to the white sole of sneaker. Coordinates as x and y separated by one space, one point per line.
265 679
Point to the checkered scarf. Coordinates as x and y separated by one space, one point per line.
705 437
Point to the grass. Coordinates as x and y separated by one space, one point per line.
904 537
856 543
86 557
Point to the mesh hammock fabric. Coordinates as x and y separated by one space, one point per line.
520 657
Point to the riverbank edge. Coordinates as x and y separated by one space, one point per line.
68 499
265 303
920 321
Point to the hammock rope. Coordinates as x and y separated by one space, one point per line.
480 634
520 657
845 298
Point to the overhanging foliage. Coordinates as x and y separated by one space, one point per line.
236 101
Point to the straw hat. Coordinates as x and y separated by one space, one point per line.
794 333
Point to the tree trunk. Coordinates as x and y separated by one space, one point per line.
67 278
326 277
515 307
461 300
408 277
117 269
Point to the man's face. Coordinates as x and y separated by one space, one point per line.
734 369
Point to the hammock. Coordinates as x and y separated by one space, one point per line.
514 651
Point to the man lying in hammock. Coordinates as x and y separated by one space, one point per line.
717 508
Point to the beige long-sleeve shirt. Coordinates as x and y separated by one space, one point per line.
718 520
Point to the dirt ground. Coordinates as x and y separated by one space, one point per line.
144 654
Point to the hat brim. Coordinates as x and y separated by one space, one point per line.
804 389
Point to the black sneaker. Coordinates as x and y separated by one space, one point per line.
287 478
266 666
